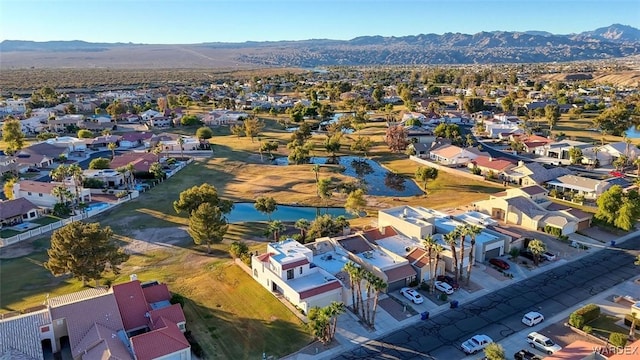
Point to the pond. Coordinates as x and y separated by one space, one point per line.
246 212
323 125
378 180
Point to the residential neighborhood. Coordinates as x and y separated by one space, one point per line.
319 215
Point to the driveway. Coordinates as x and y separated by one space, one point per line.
499 314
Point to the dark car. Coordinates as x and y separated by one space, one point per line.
449 280
529 255
526 355
499 263
32 169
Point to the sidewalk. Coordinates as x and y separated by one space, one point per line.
350 334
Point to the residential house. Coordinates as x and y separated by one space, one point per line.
110 177
223 117
40 155
42 194
16 211
535 144
529 208
421 150
526 174
102 141
419 134
149 115
141 161
71 144
452 155
490 166
35 124
8 164
560 150
60 124
413 115
160 121
497 129
618 149
25 335
286 269
587 187
134 139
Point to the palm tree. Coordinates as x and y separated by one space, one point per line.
180 143
632 328
352 269
461 231
437 251
112 147
302 225
429 243
157 150
378 285
334 310
276 227
59 173
77 175
472 231
316 170
451 239
131 175
61 193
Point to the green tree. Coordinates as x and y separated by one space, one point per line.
326 225
618 340
325 189
207 225
84 250
424 174
12 135
615 119
180 142
190 199
302 225
77 176
190 120
8 188
494 351
429 243
507 104
356 202
473 104
332 144
375 285
252 127
356 274
473 231
157 171
269 147
552 114
609 204
204 133
85 134
99 163
575 154
451 239
266 205
238 249
362 145
537 248
275 228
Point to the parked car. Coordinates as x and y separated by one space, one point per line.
476 343
548 256
529 255
499 263
444 287
532 318
542 343
33 170
412 295
449 280
524 354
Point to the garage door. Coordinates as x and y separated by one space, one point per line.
492 253
584 224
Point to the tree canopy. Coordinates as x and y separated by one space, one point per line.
12 135
356 202
326 225
84 250
204 133
396 138
266 205
617 208
99 163
424 174
207 225
190 199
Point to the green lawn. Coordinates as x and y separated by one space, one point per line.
605 324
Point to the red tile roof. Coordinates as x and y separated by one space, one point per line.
140 161
377 234
132 304
399 273
415 254
155 293
320 289
533 190
265 257
491 163
173 313
164 340
294 264
37 186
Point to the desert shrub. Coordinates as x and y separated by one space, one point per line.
618 339
575 320
589 312
177 299
237 249
553 230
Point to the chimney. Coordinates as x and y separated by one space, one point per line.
490 158
133 277
520 163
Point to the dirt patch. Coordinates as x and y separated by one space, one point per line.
17 250
143 240
396 309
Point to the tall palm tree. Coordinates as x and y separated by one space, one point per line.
131 175
180 143
157 150
352 270
377 284
276 227
302 225
316 170
59 173
437 251
77 175
112 147
472 231
334 310
461 231
429 243
451 240
61 193
537 248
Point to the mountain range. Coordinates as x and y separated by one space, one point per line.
614 41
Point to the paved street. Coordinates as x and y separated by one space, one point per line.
498 314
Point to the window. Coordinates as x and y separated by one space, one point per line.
44 329
300 270
289 274
255 272
38 194
29 193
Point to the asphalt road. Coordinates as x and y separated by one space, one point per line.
499 314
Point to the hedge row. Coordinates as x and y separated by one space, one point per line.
584 315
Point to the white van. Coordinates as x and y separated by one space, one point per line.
532 318
543 343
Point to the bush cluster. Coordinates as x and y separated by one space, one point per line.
584 315
557 232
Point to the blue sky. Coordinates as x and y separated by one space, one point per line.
196 21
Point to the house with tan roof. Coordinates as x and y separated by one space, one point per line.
43 194
589 188
526 174
452 155
16 211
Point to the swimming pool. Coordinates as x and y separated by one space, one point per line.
97 206
23 226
